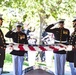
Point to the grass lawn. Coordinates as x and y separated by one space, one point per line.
8 66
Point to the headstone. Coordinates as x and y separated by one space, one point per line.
38 72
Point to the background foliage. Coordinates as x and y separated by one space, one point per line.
30 9
38 13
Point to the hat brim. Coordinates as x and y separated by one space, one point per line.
61 21
1 19
74 20
19 26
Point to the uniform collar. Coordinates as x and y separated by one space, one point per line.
19 32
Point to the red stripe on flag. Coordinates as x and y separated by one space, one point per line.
31 48
52 47
42 48
21 47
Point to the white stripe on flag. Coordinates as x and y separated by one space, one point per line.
37 48
48 48
26 48
15 47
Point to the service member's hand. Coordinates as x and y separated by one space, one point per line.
69 48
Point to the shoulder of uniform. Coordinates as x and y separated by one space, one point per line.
66 29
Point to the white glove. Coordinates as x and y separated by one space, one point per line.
69 48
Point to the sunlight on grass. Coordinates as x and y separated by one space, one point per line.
8 58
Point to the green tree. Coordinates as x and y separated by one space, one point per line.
37 12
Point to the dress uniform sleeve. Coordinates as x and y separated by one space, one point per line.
9 34
74 43
68 37
26 41
48 28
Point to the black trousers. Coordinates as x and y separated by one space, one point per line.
2 57
75 59
70 56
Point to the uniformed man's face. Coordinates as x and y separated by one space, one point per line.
1 21
61 25
19 29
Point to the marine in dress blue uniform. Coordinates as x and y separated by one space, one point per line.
17 56
61 36
2 46
71 55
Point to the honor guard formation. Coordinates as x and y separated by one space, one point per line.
51 35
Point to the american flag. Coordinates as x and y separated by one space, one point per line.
25 47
